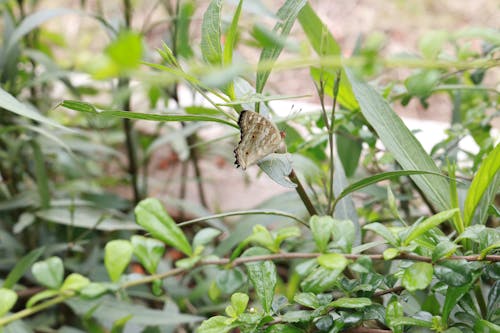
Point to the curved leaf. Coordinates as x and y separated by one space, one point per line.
89 108
398 139
482 179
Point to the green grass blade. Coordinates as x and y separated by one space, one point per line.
211 34
286 17
89 108
42 178
10 103
482 180
183 46
398 139
227 58
22 266
379 177
324 44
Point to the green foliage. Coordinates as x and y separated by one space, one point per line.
73 241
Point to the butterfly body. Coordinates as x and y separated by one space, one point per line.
259 138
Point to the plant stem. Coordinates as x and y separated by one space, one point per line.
302 193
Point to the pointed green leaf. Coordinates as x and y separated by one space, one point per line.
89 108
117 255
482 179
383 231
211 34
40 296
151 215
263 276
22 266
217 324
398 139
286 16
429 223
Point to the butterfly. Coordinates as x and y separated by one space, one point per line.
259 138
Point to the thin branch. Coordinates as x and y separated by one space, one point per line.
302 193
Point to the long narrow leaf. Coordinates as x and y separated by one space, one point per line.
211 35
286 17
483 178
379 177
398 139
10 103
42 180
229 45
324 44
22 266
89 108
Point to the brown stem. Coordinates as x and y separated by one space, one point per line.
302 193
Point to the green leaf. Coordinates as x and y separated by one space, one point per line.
383 231
119 324
417 277
411 321
263 276
333 261
419 229
126 50
285 233
42 180
205 236
484 326
231 34
211 33
393 312
117 257
89 108
49 272
422 84
151 215
390 253
443 249
22 266
454 272
230 280
286 16
320 280
239 301
308 300
10 103
453 295
398 139
349 150
321 229
183 39
8 299
40 296
261 236
482 179
94 289
351 303
323 42
75 282
149 251
356 186
297 316
344 233
217 324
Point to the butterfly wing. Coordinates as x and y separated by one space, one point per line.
259 138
